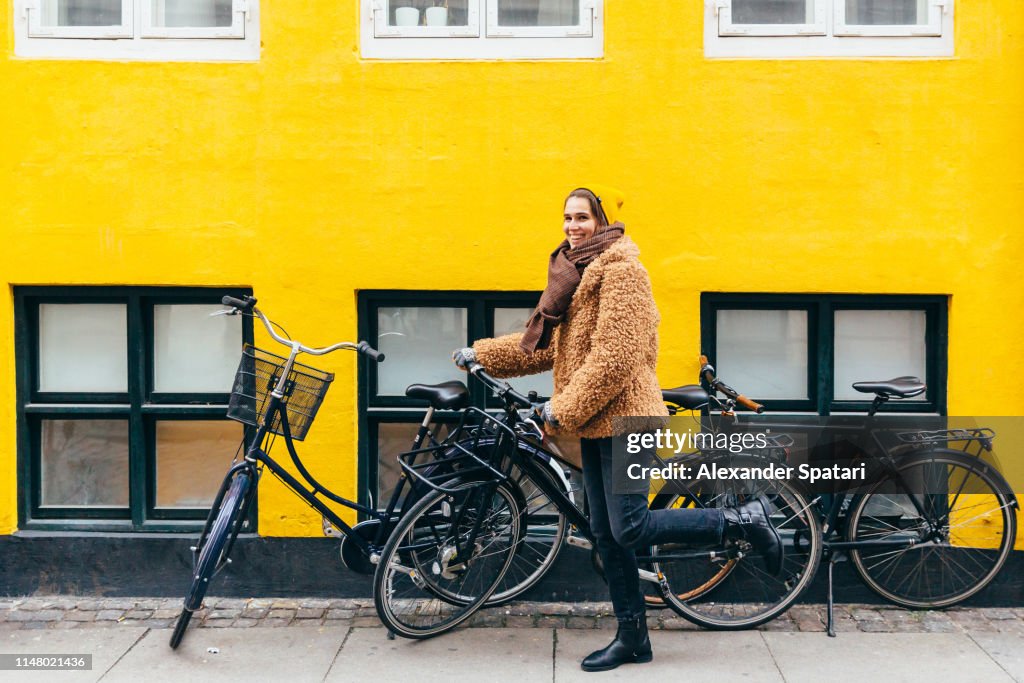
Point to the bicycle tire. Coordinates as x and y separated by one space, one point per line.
746 595
211 547
545 530
427 537
951 559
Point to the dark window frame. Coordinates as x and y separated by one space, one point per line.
820 343
375 409
140 406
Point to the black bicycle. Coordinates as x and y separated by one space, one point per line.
685 576
280 397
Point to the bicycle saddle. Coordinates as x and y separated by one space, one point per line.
453 395
903 387
690 396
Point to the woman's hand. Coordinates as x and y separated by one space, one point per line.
464 357
545 413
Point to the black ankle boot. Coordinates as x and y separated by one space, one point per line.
750 522
632 645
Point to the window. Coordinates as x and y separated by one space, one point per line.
160 30
417 332
828 28
482 29
803 352
122 395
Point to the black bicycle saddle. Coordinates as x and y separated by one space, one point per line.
451 395
903 387
690 396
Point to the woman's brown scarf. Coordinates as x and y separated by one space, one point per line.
565 270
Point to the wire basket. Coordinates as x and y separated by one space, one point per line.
476 452
258 374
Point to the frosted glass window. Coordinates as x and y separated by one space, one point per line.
886 12
192 457
394 438
507 321
418 342
773 12
877 345
84 463
192 13
763 354
192 351
538 12
428 12
83 347
80 12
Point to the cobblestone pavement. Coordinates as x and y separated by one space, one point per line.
61 612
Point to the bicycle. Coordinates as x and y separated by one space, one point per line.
671 568
930 526
280 397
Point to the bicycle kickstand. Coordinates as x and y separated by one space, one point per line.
830 625
391 634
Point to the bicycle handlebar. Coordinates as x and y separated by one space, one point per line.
707 373
503 389
248 305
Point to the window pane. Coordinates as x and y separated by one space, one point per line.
763 354
886 12
538 12
192 457
507 321
418 342
428 12
191 13
193 352
394 438
83 347
84 463
877 345
773 11
80 12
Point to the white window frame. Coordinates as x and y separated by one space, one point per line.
148 28
907 42
138 39
933 27
483 39
819 27
35 10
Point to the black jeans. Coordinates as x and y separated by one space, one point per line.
622 524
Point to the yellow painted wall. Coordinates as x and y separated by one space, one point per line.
312 174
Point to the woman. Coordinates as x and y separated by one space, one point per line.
597 326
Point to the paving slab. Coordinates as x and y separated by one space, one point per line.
486 654
1006 648
678 655
105 646
889 657
250 654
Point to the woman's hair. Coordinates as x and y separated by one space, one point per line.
595 205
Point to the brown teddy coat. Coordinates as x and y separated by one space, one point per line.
604 353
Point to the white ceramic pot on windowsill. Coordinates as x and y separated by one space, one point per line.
407 16
437 16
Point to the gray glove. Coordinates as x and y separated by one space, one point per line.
547 414
464 357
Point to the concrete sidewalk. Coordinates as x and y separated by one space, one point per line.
348 653
269 639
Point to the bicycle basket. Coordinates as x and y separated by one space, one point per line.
476 452
258 374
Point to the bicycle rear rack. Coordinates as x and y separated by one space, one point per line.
982 435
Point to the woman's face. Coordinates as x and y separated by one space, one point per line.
580 223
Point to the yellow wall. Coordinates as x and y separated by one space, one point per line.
312 174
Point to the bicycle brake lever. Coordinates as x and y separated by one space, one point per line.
225 311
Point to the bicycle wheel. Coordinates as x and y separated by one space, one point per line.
698 582
445 558
213 549
544 535
947 546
